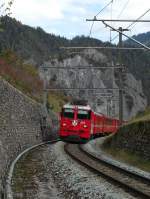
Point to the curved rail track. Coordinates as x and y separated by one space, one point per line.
8 191
135 184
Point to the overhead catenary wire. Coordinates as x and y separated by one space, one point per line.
104 8
133 22
99 47
123 9
99 29
91 29
107 25
97 15
138 18
111 19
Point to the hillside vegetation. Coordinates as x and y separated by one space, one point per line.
35 43
22 76
37 46
25 77
131 143
142 116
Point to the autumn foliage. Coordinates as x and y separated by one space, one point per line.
23 76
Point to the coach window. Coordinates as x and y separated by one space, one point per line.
84 114
108 122
69 113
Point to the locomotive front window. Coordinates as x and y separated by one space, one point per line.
69 113
84 114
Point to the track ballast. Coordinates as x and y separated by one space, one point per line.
133 183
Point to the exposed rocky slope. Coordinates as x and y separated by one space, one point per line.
38 47
134 98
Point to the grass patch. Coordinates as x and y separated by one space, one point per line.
142 116
129 158
25 171
56 101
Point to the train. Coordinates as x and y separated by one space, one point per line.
79 124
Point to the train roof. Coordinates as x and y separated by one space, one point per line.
100 114
87 107
81 102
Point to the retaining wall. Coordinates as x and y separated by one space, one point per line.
20 128
134 137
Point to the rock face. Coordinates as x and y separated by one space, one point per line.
19 126
101 100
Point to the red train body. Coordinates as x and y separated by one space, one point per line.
79 124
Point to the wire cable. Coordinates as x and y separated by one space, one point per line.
97 15
133 23
107 25
104 8
91 29
111 19
124 7
138 19
99 29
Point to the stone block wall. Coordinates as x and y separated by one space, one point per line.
134 137
19 126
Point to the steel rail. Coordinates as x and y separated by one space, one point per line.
129 182
142 178
8 190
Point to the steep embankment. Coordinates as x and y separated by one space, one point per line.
25 77
131 143
20 128
22 76
20 114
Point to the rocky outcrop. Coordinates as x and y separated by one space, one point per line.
19 126
134 99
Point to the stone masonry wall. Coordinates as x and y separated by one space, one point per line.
134 137
19 126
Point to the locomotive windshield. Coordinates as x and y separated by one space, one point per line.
68 112
84 114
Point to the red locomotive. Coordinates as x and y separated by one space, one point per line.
78 124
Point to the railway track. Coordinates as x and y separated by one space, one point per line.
8 193
135 184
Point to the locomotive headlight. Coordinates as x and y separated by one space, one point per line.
85 126
64 124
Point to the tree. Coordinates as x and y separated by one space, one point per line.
5 10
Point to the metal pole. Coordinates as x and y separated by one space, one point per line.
45 91
120 81
120 77
108 107
107 25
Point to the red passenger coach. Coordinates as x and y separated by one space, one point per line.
79 124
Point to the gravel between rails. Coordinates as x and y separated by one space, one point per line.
31 179
57 176
94 147
75 181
